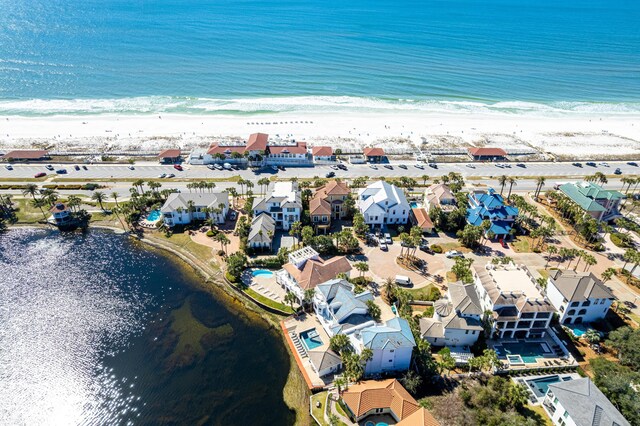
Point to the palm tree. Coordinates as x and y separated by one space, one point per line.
30 189
73 202
39 203
99 197
139 184
362 267
290 298
114 195
589 261
424 178
551 250
540 181
263 182
502 181
270 236
512 181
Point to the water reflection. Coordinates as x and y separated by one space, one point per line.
97 330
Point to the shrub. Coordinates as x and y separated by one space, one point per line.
273 262
436 248
598 247
221 253
210 234
91 186
230 278
620 240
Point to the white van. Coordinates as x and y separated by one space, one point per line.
227 166
403 280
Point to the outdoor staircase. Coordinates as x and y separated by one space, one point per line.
298 344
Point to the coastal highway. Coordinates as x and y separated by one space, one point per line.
478 171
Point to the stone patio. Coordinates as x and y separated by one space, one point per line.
266 286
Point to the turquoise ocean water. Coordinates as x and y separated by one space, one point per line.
247 56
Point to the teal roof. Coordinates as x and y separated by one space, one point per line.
586 194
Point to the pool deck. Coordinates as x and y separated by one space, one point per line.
552 360
533 398
266 286
294 326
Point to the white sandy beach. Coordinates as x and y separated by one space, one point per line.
572 135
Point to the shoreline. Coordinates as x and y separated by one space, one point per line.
218 289
397 131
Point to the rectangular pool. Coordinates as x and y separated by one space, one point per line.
528 351
540 385
311 339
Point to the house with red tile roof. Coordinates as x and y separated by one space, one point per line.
420 218
374 155
487 154
322 153
327 204
170 156
26 155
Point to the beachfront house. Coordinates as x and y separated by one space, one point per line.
601 204
579 297
322 154
26 155
183 208
580 403
489 205
518 307
383 204
487 154
282 203
288 153
456 318
386 402
261 233
439 195
374 155
306 269
327 204
170 156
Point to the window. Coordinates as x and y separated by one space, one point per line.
586 303
555 401
565 414
575 303
602 301
466 332
527 315
473 332
391 351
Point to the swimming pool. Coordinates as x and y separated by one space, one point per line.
262 273
311 339
414 205
528 351
370 423
540 385
578 330
154 215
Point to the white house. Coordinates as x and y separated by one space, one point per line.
456 319
261 233
579 297
60 214
322 154
580 403
519 309
439 195
339 310
182 208
306 269
282 203
391 343
383 204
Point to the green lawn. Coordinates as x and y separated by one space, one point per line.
543 273
268 302
425 293
521 245
184 241
318 412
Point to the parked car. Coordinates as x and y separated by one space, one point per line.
471 166
49 167
603 164
424 246
591 163
8 167
84 168
39 175
274 168
210 167
227 166
453 253
524 166
218 167
387 238
418 166
76 167
162 175
282 168
61 171
402 166
334 167
383 246
330 174
617 172
388 166
131 167
342 167
373 166
577 164
403 280
499 165
433 165
632 163
503 243
171 175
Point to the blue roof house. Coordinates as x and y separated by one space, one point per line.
391 343
490 206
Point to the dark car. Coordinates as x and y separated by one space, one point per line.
84 168
617 172
282 168
76 167
577 164
178 167
342 167
330 174
591 163
39 175
388 166
425 248
633 163
522 165
61 171
402 166
433 165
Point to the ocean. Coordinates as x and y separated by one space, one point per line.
249 56
97 328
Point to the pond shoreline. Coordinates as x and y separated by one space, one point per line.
295 392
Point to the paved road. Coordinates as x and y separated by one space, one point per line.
153 170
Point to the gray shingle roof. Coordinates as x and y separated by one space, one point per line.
181 200
579 286
265 223
586 404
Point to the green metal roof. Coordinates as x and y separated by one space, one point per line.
585 195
